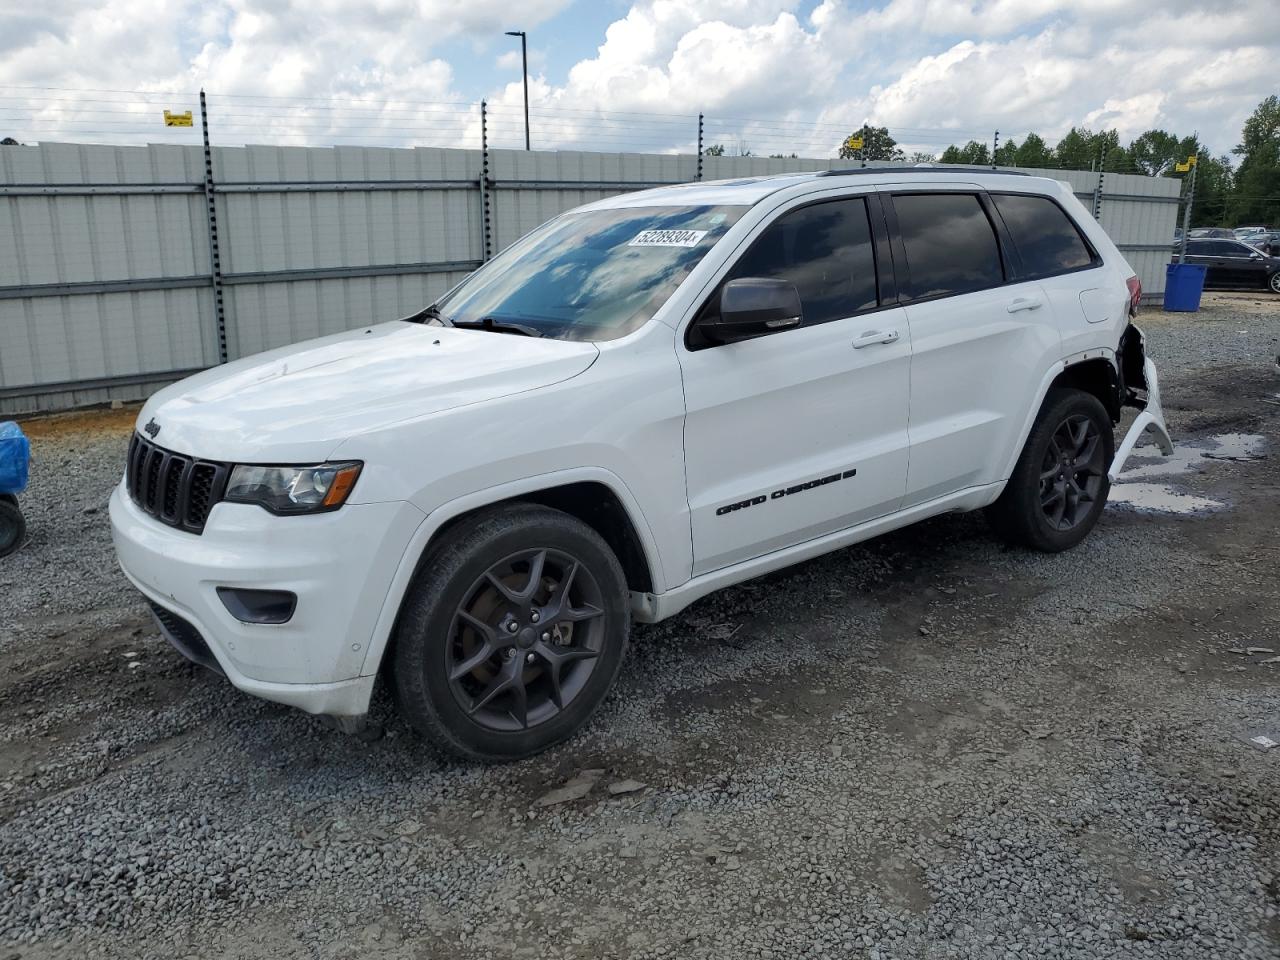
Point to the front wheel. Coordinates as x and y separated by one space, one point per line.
1274 282
1059 486
512 634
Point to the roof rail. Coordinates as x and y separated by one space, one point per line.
923 168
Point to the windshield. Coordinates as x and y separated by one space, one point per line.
595 275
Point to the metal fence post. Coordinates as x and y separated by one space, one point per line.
699 146
486 227
995 148
215 255
1186 211
1097 191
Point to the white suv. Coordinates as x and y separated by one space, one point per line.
642 401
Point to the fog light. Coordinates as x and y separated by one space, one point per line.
258 606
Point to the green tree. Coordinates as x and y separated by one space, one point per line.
877 144
920 156
715 150
1081 148
9 142
1257 182
972 152
1155 152
1033 152
1006 155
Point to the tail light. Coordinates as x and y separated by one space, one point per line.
1135 295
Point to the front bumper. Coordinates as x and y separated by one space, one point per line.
339 564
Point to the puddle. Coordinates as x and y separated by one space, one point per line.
1192 457
1161 498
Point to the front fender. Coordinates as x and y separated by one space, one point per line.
452 509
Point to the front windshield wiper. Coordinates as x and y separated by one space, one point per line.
498 326
428 313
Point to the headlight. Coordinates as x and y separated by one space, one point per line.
314 489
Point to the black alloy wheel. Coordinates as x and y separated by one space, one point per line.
1072 472
525 639
1059 485
512 633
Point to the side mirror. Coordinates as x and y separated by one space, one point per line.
1255 256
752 306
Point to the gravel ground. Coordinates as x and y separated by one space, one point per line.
925 746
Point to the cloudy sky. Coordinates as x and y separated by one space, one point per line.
770 75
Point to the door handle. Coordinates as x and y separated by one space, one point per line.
875 336
1025 303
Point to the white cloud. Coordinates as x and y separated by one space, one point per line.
931 70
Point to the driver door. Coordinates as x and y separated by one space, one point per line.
801 432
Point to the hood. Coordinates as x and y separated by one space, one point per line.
297 403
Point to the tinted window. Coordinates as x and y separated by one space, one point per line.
1046 239
826 251
1229 248
1199 248
951 246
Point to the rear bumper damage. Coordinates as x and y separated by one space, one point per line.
1139 375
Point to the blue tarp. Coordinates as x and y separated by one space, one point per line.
15 456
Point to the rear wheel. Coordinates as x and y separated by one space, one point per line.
13 526
1274 282
1059 486
512 635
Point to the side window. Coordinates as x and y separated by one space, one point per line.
1199 248
1047 241
950 244
826 250
1229 248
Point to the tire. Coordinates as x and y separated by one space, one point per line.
1274 282
492 661
1046 505
13 526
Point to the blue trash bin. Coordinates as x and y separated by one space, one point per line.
15 455
1183 284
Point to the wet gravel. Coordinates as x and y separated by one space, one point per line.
928 746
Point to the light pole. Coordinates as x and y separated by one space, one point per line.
524 59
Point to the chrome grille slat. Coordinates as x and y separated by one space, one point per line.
176 489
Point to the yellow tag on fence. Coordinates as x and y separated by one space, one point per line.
177 119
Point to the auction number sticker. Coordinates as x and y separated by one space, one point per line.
667 238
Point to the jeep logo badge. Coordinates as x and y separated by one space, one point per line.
152 428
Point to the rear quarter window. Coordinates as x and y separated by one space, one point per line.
949 242
1047 242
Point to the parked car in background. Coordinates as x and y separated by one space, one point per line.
1205 233
1249 230
1267 242
1233 265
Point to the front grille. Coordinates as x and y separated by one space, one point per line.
176 490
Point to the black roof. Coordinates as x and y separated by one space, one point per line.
853 171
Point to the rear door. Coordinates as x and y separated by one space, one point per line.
981 338
1219 271
1049 248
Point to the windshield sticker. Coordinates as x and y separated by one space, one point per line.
667 238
